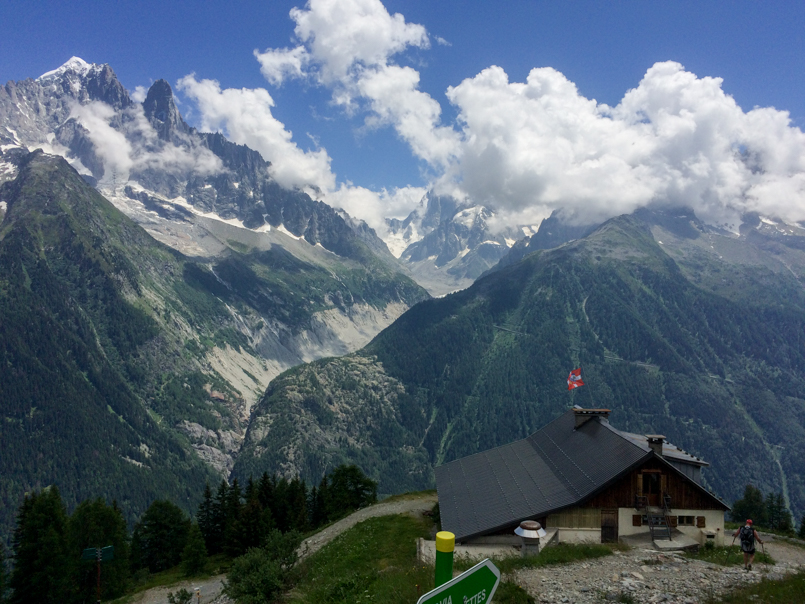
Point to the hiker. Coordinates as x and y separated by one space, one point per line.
748 535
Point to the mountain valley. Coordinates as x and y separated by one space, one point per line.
172 316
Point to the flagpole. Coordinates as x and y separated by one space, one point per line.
587 384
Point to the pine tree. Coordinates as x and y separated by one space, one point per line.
217 523
750 506
194 555
297 505
251 490
42 563
250 529
265 491
159 537
773 511
785 523
349 490
279 505
95 524
206 516
801 533
319 500
233 509
2 574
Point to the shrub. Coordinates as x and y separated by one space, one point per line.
180 597
255 578
262 573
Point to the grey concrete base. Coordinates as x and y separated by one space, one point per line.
486 547
678 542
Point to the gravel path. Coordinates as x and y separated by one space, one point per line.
210 590
650 576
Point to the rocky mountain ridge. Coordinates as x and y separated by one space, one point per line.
447 244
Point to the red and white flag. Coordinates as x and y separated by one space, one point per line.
574 379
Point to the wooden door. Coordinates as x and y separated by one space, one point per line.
652 488
609 526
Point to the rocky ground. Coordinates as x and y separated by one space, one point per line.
649 576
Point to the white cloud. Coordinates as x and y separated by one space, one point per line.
395 99
110 144
348 46
676 139
139 94
342 35
245 117
374 207
278 64
132 144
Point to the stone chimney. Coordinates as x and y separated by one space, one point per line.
655 442
585 415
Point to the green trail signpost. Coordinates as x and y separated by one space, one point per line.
475 586
99 554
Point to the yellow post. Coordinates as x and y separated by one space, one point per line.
445 545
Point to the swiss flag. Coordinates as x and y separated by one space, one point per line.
574 379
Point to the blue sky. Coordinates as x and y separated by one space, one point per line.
604 48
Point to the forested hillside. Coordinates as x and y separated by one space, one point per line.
127 367
679 329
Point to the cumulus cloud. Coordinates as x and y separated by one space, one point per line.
244 115
347 35
349 45
278 64
676 139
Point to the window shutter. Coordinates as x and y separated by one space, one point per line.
699 521
640 484
636 520
672 520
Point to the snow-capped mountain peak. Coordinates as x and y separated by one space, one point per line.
76 64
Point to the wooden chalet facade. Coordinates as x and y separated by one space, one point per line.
584 478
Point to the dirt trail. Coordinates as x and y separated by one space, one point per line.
409 505
210 590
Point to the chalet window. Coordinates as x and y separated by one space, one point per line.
686 520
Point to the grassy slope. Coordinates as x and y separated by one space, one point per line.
789 589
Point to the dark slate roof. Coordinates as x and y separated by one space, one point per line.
669 451
556 467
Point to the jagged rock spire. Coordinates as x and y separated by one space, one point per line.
161 110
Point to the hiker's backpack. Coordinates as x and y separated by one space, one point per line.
747 538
